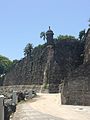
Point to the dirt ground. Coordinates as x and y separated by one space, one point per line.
51 104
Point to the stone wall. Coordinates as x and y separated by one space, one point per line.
28 70
7 90
87 47
76 87
48 64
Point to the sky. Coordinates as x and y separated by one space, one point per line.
22 21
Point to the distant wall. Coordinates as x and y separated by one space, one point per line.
48 64
7 90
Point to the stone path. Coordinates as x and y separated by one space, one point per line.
26 112
48 107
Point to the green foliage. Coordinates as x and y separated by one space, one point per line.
65 37
5 64
43 35
82 34
41 46
28 49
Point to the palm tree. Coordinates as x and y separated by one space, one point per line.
43 35
28 49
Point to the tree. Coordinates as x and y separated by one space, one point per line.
28 49
43 35
5 64
65 37
82 34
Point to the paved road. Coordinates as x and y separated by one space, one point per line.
25 112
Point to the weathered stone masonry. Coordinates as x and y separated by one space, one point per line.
49 64
76 87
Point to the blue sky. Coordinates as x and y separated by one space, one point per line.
21 22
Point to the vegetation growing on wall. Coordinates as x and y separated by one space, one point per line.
65 37
28 49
